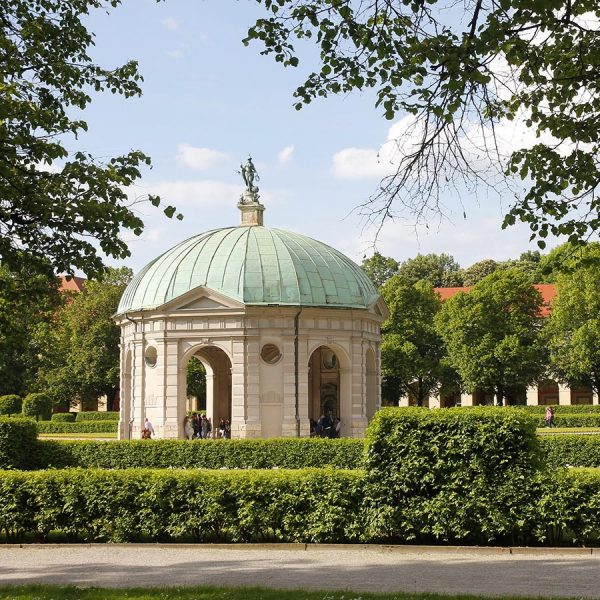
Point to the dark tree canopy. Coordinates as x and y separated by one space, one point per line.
55 204
458 71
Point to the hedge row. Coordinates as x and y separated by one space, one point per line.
17 442
81 427
562 408
571 450
311 505
573 420
109 415
451 475
67 417
288 453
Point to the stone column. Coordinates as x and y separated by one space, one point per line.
532 396
174 390
403 401
564 394
435 401
466 399
288 426
595 398
359 379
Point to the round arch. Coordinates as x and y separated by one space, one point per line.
330 385
217 363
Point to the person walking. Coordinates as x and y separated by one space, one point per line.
549 417
148 428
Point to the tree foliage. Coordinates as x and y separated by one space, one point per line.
492 333
380 268
459 72
56 204
196 382
81 348
479 270
27 302
411 348
572 331
439 270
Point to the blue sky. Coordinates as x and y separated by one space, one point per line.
209 101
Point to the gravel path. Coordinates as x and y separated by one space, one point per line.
497 572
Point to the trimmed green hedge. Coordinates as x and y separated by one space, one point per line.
573 420
63 417
10 404
110 415
571 450
561 408
569 509
37 405
17 443
82 427
285 453
450 475
310 505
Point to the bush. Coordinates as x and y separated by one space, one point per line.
38 406
63 418
451 475
310 505
573 420
83 427
571 450
290 453
561 408
10 405
17 443
569 510
110 415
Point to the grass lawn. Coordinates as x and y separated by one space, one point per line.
79 436
553 430
50 592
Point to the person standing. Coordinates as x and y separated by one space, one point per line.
549 417
188 429
148 427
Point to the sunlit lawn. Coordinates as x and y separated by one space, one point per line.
49 592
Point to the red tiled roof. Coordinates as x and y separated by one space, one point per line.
75 284
548 291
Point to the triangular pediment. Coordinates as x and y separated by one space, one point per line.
380 309
202 299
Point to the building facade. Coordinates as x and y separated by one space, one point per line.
287 329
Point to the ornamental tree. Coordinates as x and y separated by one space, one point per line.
411 348
81 348
572 331
380 268
492 333
58 205
440 270
458 74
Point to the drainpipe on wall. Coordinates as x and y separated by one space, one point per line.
297 398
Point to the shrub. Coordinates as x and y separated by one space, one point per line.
83 427
310 505
10 405
569 509
63 418
288 453
571 450
38 406
564 419
450 475
110 415
17 443
562 408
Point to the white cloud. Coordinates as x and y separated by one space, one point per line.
195 193
181 51
200 159
286 155
171 23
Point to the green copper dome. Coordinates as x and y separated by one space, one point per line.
255 265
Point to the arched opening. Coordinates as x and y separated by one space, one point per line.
208 385
324 406
371 371
125 408
196 385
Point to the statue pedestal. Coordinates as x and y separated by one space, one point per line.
252 210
